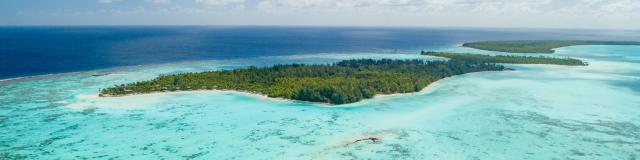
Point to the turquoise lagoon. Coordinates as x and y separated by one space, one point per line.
535 112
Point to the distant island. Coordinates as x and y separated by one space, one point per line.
537 46
509 58
343 82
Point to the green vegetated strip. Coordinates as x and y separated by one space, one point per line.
537 46
509 58
339 83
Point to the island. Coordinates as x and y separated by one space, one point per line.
343 82
537 46
509 58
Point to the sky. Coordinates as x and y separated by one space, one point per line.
595 14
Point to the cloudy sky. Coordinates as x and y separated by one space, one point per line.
617 14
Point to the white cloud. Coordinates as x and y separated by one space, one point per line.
159 1
221 2
152 1
507 13
107 1
624 6
493 6
270 4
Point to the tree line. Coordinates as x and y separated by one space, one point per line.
509 58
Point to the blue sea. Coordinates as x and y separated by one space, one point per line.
49 107
29 51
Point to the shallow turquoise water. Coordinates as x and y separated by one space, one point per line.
536 112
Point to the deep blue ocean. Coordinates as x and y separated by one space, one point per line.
27 51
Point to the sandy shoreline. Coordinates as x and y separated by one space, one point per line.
425 90
258 95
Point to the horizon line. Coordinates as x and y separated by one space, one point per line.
311 26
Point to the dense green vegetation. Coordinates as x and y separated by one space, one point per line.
343 82
509 58
537 46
